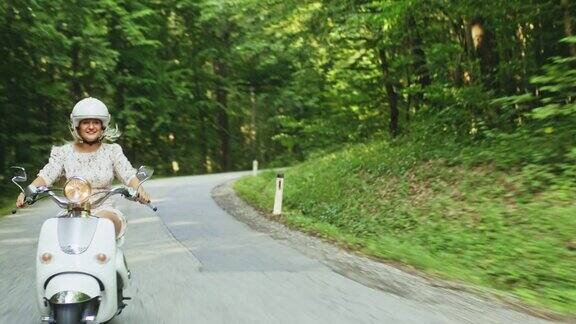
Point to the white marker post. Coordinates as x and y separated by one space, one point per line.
254 167
279 191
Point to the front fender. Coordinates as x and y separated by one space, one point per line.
72 288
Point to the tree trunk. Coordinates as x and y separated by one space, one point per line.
202 133
420 69
460 76
76 85
253 126
202 139
3 149
568 25
390 93
221 71
484 46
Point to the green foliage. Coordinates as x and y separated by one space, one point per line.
558 87
282 78
547 137
7 204
420 204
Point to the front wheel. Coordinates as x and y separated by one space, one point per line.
68 313
76 313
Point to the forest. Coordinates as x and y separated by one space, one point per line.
207 85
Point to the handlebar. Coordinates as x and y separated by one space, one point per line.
34 194
132 194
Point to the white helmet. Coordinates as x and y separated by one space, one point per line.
89 108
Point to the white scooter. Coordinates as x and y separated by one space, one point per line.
80 271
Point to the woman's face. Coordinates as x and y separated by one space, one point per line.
90 129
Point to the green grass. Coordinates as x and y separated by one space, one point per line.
441 209
6 205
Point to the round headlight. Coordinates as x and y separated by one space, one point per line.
77 190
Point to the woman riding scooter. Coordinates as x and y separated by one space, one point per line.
81 273
91 158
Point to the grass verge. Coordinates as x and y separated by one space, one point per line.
481 222
6 206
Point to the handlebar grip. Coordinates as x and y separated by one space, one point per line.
154 208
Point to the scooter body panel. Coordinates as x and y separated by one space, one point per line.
78 271
122 269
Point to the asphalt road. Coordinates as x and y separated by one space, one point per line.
194 263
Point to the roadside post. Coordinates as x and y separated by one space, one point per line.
279 191
254 168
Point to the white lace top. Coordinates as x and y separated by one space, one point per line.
98 167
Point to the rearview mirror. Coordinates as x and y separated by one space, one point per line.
144 173
19 176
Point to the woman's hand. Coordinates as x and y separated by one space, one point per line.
38 182
143 196
20 201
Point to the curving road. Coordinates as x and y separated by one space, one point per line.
194 263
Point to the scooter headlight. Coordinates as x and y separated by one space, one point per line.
77 190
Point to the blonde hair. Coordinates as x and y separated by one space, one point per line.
110 134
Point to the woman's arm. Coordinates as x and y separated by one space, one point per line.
126 173
49 173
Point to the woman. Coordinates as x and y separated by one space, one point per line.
92 159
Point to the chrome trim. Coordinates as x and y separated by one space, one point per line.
127 269
21 178
63 213
116 191
78 213
69 297
60 201
143 174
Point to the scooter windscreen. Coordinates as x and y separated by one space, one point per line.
75 234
